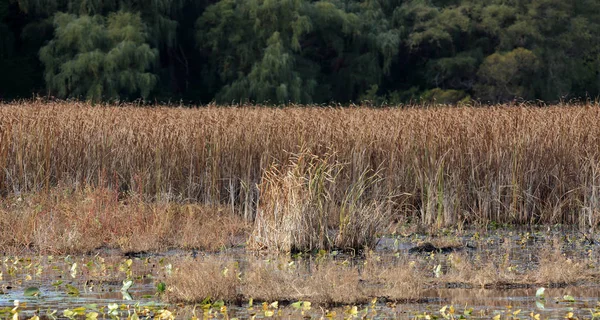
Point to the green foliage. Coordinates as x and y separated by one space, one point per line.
505 76
99 58
440 96
301 51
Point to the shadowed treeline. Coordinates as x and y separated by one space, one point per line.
301 51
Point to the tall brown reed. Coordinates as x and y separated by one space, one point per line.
506 164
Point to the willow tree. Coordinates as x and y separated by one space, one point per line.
562 36
296 50
162 20
99 58
254 48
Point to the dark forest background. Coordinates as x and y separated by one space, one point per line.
300 51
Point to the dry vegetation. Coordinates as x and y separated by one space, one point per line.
278 279
407 278
63 222
434 166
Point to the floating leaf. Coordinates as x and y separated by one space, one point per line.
269 313
113 309
126 285
353 311
91 316
31 292
218 304
161 287
79 311
68 313
540 293
568 298
540 304
71 290
126 295
91 306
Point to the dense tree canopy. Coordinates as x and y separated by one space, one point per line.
301 51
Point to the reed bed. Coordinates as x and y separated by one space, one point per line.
439 166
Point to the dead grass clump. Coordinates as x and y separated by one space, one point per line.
555 268
399 280
479 272
80 221
298 210
295 204
196 280
325 282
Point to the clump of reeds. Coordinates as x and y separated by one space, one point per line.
295 205
299 210
207 278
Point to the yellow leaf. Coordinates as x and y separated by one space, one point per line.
306 305
496 317
516 312
269 313
569 315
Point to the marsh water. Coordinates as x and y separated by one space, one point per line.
49 285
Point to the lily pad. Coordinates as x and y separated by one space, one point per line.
126 285
71 290
32 292
540 293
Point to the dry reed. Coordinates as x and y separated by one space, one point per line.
446 166
65 223
327 281
298 209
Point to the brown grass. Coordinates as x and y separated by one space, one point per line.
298 208
325 281
79 222
443 166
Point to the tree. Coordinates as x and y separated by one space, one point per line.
505 76
97 58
